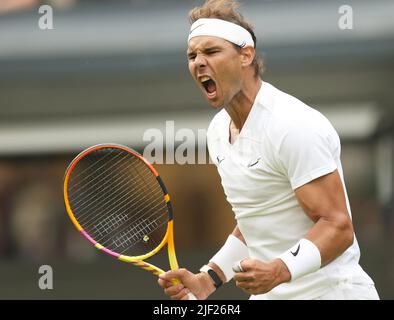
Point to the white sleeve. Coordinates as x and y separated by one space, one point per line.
308 152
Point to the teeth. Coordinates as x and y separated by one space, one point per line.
205 78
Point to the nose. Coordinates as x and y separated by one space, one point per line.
200 61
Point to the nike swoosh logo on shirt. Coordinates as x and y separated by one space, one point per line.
254 163
296 252
219 160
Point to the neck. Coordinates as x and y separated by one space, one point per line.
241 104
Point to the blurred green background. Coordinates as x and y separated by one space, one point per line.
111 70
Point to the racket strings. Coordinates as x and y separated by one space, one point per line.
76 176
94 175
118 217
80 194
156 186
121 199
93 188
108 227
94 197
120 204
138 233
105 230
118 201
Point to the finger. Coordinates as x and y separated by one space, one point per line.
244 288
182 295
237 267
174 274
243 277
242 285
174 290
244 265
164 283
248 288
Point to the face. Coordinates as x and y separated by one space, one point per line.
215 65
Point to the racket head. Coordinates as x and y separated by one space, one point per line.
117 200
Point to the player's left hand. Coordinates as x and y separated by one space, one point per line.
259 277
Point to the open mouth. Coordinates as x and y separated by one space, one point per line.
209 86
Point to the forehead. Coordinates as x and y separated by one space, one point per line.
201 42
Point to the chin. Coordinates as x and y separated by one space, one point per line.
216 105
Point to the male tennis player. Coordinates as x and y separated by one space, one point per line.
279 162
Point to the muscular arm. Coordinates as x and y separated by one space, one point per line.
323 200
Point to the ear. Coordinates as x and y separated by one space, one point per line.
247 56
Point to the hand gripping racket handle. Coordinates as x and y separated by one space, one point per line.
157 271
190 295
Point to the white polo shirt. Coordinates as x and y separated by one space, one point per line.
283 145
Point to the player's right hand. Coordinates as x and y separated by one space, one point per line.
199 284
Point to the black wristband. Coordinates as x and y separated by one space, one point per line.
217 282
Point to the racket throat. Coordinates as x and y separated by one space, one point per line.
148 267
171 247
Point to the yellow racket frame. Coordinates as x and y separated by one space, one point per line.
136 260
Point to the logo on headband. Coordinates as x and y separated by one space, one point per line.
196 28
243 44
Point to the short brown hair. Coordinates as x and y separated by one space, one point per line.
227 10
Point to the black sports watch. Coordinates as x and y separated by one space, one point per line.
217 282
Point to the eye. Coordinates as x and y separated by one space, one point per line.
210 52
191 57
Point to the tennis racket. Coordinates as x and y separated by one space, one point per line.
117 200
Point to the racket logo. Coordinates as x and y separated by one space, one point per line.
136 233
110 223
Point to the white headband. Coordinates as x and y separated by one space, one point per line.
221 29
